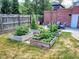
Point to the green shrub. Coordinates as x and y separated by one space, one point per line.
53 28
40 28
33 23
44 35
21 30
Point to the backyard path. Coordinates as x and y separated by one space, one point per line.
75 32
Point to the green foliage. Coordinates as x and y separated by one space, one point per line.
39 6
22 9
33 22
5 9
21 30
10 6
28 7
15 7
36 6
40 28
53 28
45 35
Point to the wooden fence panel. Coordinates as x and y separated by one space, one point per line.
10 21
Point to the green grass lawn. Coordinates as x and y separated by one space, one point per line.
66 47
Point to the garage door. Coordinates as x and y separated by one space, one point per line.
74 21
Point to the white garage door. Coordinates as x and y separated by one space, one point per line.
74 20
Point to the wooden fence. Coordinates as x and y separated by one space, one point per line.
8 22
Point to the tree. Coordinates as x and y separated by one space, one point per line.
34 23
15 7
45 5
26 7
40 5
35 6
22 9
0 6
5 9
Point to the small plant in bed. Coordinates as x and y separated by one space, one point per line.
34 25
53 28
21 30
21 33
33 22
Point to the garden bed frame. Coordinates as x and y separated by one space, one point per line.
20 38
44 45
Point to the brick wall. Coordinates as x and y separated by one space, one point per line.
62 15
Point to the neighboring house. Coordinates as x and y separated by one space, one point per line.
69 16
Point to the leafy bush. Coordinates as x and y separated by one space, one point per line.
44 34
33 23
40 28
53 28
21 30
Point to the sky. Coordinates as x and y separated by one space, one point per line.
66 3
21 0
51 0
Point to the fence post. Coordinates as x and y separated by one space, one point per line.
30 18
19 20
1 23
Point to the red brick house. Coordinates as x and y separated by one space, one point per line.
70 16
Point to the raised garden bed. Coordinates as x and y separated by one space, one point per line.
43 44
20 38
22 33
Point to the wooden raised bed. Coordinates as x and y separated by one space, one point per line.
20 38
44 45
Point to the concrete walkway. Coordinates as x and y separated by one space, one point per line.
75 32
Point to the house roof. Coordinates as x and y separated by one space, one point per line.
57 4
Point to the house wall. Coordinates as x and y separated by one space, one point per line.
78 22
60 15
47 17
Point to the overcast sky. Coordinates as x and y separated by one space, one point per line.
51 0
21 0
66 3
